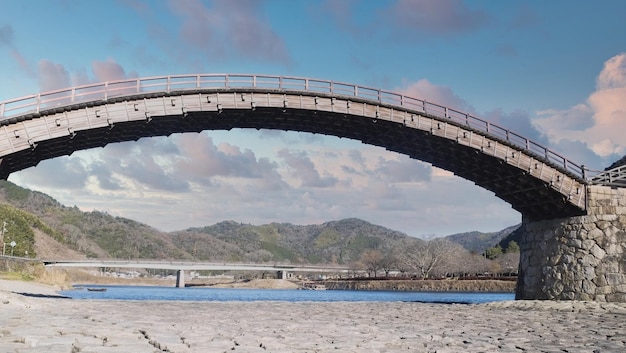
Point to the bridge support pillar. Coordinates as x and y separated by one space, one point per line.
577 258
180 279
283 274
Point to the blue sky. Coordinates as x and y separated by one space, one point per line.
554 71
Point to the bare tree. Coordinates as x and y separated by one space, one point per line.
471 264
508 262
389 262
372 261
426 256
452 261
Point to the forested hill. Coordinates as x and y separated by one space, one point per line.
340 242
44 228
478 241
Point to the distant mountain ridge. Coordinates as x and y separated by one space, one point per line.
73 234
478 241
340 241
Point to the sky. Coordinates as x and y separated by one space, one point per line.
553 71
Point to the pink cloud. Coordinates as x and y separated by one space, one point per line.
442 95
52 76
109 71
614 73
599 122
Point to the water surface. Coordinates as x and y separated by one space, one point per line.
287 295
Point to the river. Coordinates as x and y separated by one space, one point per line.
287 295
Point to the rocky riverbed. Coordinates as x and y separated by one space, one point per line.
35 321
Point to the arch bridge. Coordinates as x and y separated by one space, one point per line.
573 225
537 182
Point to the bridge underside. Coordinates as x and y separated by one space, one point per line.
532 197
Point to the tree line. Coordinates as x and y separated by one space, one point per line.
439 258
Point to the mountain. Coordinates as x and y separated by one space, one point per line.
87 234
76 234
478 241
47 229
338 242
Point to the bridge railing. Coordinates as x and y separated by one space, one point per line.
614 177
173 83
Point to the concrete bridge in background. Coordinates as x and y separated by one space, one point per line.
556 197
180 267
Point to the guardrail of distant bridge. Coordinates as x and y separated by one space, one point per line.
34 104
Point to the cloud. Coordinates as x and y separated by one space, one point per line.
303 169
52 76
59 173
202 160
404 170
519 122
191 180
158 164
548 128
104 177
442 95
436 17
614 74
406 19
109 70
599 122
146 162
229 29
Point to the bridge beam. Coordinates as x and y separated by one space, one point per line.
577 258
180 279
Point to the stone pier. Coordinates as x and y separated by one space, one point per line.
180 279
577 258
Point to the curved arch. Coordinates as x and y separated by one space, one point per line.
537 182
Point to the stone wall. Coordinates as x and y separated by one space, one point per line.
577 258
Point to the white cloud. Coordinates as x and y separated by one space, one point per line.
599 122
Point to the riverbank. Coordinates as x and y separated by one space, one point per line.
490 285
446 285
36 322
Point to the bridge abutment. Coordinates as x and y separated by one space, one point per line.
577 258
